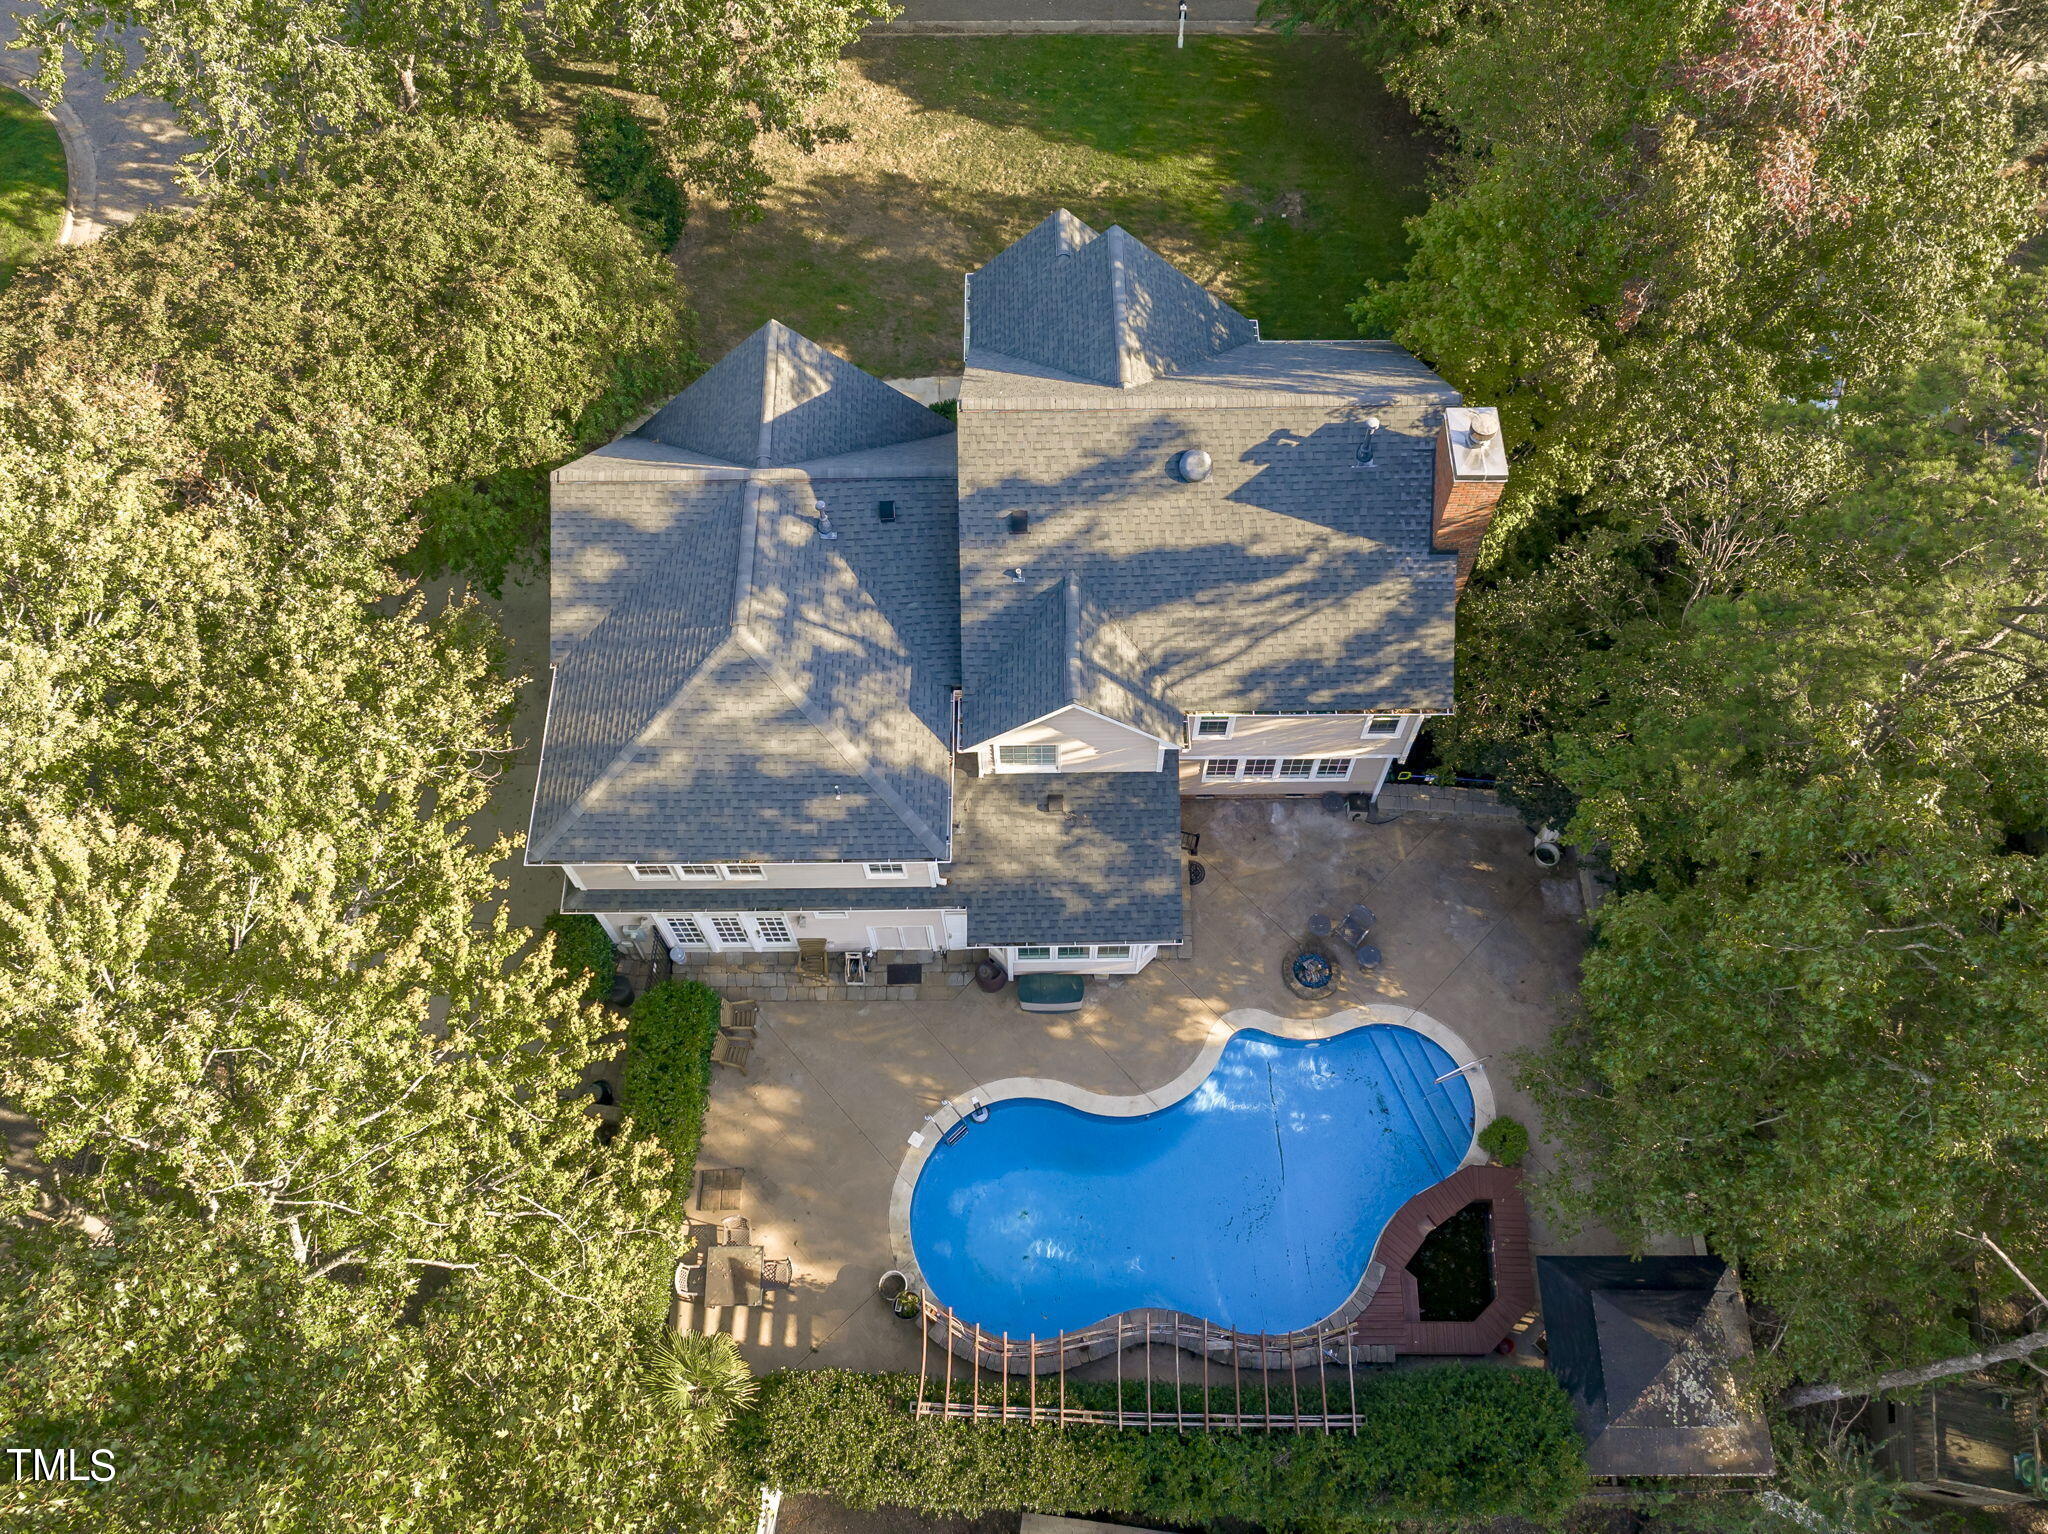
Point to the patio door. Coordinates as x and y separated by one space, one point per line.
723 931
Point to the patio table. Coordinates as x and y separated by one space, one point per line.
732 1275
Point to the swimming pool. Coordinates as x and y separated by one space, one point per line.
1253 1202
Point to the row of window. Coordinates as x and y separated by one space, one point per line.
1076 951
706 872
1220 726
1284 768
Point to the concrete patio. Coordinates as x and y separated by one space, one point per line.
1473 933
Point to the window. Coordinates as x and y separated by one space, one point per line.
653 871
698 871
1298 767
1029 758
1334 767
1113 950
1212 727
1073 951
887 871
1383 724
1219 767
744 871
1034 953
772 929
728 929
683 932
1259 766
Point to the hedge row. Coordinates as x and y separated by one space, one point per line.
582 944
1452 1442
666 1079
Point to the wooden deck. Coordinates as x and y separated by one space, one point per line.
1392 1319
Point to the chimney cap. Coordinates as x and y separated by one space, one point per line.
1473 436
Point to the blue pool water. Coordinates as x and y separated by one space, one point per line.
1253 1202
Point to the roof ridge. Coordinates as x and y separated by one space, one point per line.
1131 368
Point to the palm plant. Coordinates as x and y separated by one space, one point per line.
701 1378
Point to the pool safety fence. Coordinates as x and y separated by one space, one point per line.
1303 1381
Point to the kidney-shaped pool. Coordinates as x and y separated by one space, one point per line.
1253 1202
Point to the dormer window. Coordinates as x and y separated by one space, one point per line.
745 871
887 871
1212 727
649 871
1382 725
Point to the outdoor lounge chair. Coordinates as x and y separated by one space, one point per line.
812 964
741 1019
732 1052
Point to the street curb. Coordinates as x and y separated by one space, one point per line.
82 224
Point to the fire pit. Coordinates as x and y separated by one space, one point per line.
1309 970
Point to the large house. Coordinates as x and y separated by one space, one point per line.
827 666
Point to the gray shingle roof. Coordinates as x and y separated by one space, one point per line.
779 399
1647 1349
1097 307
1291 580
1058 648
733 684
1104 868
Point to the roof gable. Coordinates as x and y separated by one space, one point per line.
1102 308
1060 650
779 398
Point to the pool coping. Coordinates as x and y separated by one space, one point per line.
949 1113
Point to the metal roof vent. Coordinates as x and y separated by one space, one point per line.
825 529
1055 804
1018 521
1192 466
885 511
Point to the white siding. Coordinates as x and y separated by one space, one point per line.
793 876
1279 738
1087 742
842 929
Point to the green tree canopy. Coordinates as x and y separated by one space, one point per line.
322 1234
441 298
261 86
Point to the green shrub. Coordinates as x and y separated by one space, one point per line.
582 944
1457 1441
666 1080
624 168
1506 1140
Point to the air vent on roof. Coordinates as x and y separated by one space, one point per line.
1018 521
1055 804
1192 466
825 529
886 511
1366 448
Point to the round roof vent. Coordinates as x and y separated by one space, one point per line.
1192 466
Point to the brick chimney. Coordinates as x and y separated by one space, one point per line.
1471 472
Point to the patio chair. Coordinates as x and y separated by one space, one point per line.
1357 923
741 1020
1191 842
733 1230
1368 956
813 966
718 1188
732 1052
777 1273
689 1280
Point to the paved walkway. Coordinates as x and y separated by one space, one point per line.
1000 16
121 156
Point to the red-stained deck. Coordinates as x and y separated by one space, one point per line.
1392 1319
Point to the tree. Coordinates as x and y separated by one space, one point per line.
321 1236
441 297
1661 218
1809 1021
261 88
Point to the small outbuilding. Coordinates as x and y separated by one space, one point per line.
1965 1442
1647 1348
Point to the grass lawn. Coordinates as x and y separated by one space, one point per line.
1275 170
31 182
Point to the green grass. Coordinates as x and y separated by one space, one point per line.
1276 170
32 182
